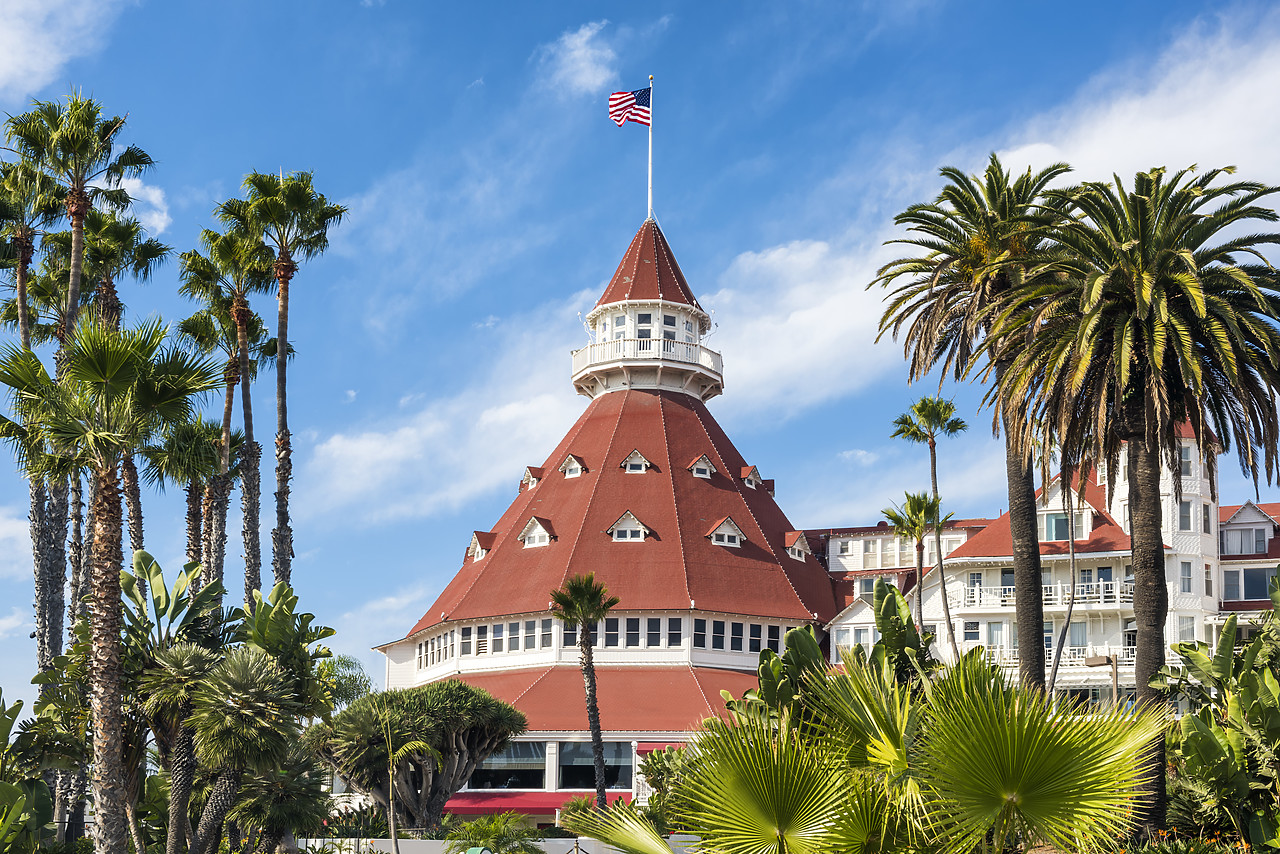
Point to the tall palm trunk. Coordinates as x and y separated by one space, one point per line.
937 541
75 543
182 773
53 598
208 833
133 502
105 697
195 521
587 662
1150 607
1028 596
282 535
77 208
250 460
217 494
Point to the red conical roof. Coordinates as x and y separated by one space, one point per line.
676 564
648 272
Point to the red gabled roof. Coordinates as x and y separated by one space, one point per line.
1226 511
485 539
648 272
631 699
670 570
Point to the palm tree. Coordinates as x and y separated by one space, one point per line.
928 419
581 603
115 387
977 236
74 144
1150 318
235 266
294 220
914 520
186 454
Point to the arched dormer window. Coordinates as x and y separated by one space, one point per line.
751 476
532 474
481 543
536 532
572 466
635 463
726 533
797 545
628 529
702 467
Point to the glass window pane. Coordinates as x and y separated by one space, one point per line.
735 637
753 644
522 765
653 631
675 631
633 631
700 633
577 767
717 634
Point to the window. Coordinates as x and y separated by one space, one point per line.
702 467
971 630
521 765
675 631
688 326
995 634
844 547
1086 576
1243 541
975 579
570 635
796 552
482 640
668 335
1048 634
726 539
635 463
1055 526
1206 519
735 637
1208 580
1186 629
1104 574
775 638
1231 584
619 325
1257 581
1184 577
513 637
464 643
452 633
497 638
633 631
700 633
611 631
866 586
530 634
653 631
669 320
727 534
754 641
577 767
870 554
1078 635
862 637
717 634
628 529
644 318
1184 460
1184 515
546 634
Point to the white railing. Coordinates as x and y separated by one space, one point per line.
1072 655
660 349
1097 593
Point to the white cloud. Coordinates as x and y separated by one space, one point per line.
349 396
39 37
13 624
580 62
149 206
378 621
15 543
859 456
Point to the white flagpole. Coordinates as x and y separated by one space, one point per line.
650 146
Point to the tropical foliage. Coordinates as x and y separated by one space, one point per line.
501 833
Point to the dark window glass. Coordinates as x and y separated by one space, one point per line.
735 637
653 631
700 633
971 631
482 640
546 634
497 638
775 635
633 631
465 643
530 634
570 635
595 634
611 631
577 768
717 634
675 631
1257 580
513 637
753 645
522 765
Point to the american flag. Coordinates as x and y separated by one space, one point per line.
630 107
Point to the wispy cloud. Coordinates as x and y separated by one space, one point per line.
579 62
15 543
39 37
150 206
377 621
860 457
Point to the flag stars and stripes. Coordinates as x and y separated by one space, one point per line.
630 107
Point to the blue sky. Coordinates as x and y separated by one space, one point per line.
491 199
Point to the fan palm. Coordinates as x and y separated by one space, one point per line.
977 237
186 454
116 387
581 603
279 801
914 521
294 220
1148 319
235 266
501 833
929 419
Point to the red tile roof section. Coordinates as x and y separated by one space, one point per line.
675 565
649 272
485 539
631 699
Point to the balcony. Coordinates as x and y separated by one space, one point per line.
645 350
1073 656
1055 595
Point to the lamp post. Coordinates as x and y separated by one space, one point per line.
1103 661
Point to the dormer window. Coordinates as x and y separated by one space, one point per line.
481 542
532 475
702 467
797 545
572 466
751 476
635 463
537 532
1055 526
628 529
726 533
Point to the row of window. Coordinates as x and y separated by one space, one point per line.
505 637
1251 583
741 637
879 551
523 765
1185 517
644 327
1186 577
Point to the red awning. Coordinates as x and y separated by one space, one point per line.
486 801
644 748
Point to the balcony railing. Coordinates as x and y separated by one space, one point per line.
1097 593
658 349
1072 655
